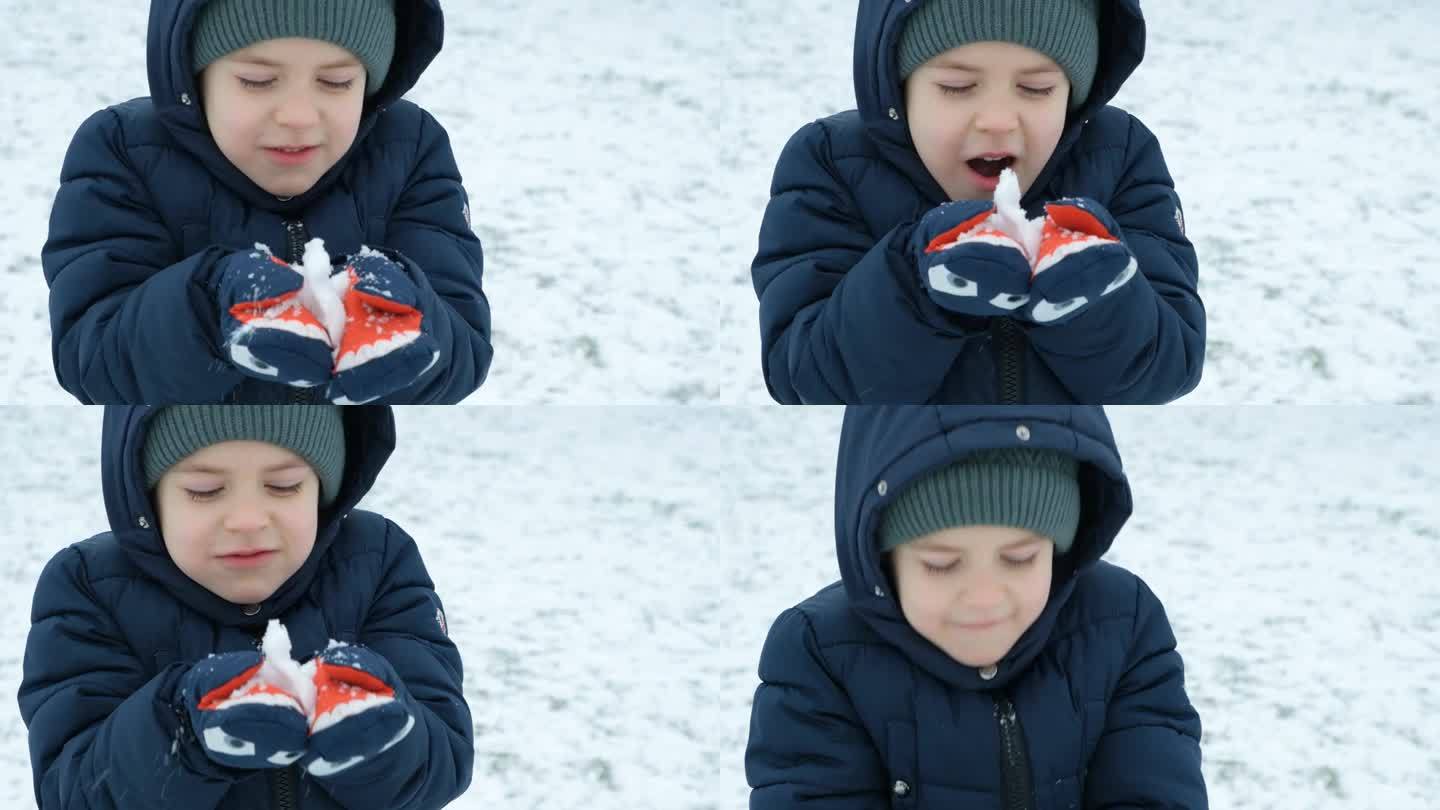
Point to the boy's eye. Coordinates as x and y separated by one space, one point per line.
253 84
1021 563
939 569
202 494
1037 91
290 490
345 85
956 90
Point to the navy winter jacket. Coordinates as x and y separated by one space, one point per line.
858 711
148 206
116 624
844 317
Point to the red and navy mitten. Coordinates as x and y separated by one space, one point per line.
384 348
266 331
239 721
1081 260
967 264
358 716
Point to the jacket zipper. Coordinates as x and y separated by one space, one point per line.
295 229
1014 758
282 785
1009 342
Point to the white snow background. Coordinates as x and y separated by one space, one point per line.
618 158
610 575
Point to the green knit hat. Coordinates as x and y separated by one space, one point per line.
1038 490
366 28
1067 31
315 433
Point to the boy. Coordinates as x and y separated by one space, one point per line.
142 683
874 288
270 122
979 653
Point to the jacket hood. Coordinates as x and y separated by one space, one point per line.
885 448
369 441
878 88
419 33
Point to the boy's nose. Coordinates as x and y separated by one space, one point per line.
296 112
996 119
246 519
980 600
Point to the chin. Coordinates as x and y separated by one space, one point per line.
294 190
247 597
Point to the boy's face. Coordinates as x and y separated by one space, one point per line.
974 590
239 517
982 100
284 110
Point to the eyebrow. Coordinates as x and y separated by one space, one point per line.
204 468
1030 71
270 63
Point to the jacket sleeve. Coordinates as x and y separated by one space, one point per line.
1149 750
1146 345
129 323
433 763
430 227
807 747
102 733
843 319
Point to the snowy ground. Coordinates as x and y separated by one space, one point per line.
618 157
610 575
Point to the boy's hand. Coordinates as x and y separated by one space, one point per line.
237 722
266 331
384 348
1081 261
967 266
357 715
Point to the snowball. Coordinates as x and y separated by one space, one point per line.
321 294
1010 217
283 671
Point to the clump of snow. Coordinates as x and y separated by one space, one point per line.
1010 217
279 669
322 293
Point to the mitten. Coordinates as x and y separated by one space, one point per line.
1081 260
383 348
358 716
239 720
967 263
265 330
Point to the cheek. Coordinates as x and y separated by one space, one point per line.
229 124
301 524
186 535
346 118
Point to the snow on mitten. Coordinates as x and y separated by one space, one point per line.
357 713
384 348
967 263
238 720
266 331
1081 260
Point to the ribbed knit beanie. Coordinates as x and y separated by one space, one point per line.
315 433
1067 31
1029 489
366 28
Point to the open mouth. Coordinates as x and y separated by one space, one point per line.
991 167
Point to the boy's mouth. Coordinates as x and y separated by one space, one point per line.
290 155
991 165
